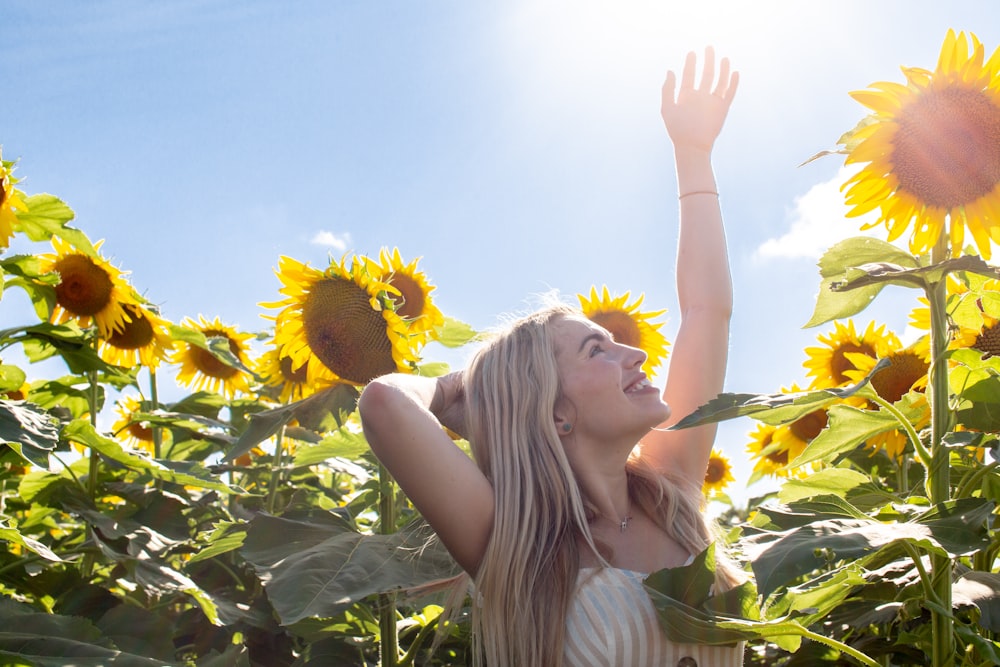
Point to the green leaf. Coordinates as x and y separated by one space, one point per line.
31 433
981 589
689 584
343 443
227 536
835 481
320 412
83 432
52 640
773 408
847 428
318 565
12 535
46 217
12 378
217 346
454 333
834 267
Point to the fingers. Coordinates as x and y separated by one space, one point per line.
668 90
708 70
687 79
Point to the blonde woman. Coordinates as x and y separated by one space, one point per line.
576 491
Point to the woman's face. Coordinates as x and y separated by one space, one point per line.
604 390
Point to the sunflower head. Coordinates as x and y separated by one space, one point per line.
90 289
344 319
932 150
771 456
132 432
412 296
202 370
718 474
828 363
10 202
906 372
627 324
288 381
143 339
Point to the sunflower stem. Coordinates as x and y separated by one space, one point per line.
279 450
388 640
87 564
922 453
939 473
155 404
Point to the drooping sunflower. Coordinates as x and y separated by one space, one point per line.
771 456
342 317
89 289
288 381
932 149
413 303
627 324
143 339
828 363
201 370
906 372
134 433
10 201
719 473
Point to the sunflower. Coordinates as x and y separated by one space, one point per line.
828 364
719 473
627 324
906 372
10 200
291 382
413 302
136 434
340 317
932 149
986 339
772 456
143 339
201 370
89 289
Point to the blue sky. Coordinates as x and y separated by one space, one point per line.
515 147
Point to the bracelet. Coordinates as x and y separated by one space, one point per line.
698 192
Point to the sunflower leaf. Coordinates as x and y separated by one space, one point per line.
31 433
773 408
454 333
46 217
834 267
12 378
865 275
848 428
323 411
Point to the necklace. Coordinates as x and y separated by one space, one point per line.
624 523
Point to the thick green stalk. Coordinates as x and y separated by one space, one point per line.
278 462
939 472
388 640
155 405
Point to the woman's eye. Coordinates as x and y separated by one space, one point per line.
595 350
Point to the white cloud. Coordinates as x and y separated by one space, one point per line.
818 221
332 240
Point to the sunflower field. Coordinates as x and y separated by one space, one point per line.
248 523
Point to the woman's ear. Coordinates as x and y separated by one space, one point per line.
564 426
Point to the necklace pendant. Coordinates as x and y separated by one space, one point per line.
624 523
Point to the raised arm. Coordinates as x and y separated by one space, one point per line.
402 417
694 112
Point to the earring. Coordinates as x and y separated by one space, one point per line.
567 427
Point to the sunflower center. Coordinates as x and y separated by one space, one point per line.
893 382
839 363
410 301
141 432
208 364
778 457
808 427
84 288
296 375
136 333
3 189
345 333
946 151
622 328
715 472
988 341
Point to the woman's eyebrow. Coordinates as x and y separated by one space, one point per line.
588 338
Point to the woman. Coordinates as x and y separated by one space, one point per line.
562 514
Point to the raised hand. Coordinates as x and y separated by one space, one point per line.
694 114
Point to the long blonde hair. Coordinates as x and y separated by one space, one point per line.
528 574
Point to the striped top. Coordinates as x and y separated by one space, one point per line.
612 623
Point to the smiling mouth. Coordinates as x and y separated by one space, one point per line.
639 385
